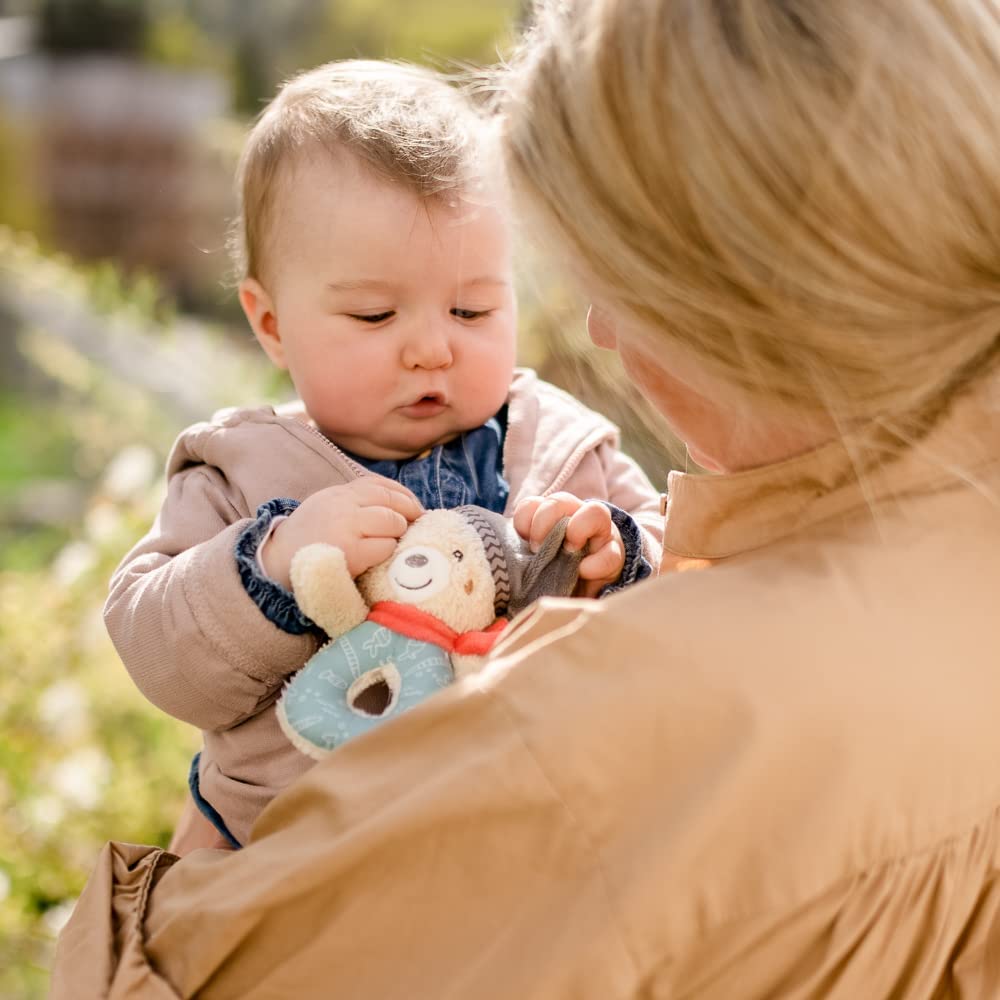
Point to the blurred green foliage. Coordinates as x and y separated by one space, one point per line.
18 208
417 30
176 39
84 758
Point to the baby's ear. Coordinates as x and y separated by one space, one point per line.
258 307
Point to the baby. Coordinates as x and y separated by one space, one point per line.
376 269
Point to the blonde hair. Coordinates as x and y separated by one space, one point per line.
406 123
803 194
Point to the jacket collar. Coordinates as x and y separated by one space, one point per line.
714 516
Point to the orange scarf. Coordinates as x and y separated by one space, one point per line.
416 624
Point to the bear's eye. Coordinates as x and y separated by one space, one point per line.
458 554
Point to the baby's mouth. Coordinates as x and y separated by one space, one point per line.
428 405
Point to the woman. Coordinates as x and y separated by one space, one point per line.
774 774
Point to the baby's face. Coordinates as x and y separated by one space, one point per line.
395 317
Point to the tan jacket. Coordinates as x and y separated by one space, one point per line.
200 649
774 775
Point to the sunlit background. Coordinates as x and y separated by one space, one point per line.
120 125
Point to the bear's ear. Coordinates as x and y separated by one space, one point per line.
520 576
550 572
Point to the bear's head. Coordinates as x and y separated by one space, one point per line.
468 565
440 566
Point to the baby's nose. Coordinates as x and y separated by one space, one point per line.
416 560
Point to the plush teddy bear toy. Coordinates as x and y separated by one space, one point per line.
413 623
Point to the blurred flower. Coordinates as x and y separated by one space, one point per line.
63 708
91 633
72 562
56 917
80 779
44 812
130 473
102 522
4 885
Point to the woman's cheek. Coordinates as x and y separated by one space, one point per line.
689 414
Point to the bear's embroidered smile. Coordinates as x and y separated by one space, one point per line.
419 571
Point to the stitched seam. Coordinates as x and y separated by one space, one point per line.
581 830
159 857
238 658
186 583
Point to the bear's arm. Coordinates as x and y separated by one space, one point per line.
325 591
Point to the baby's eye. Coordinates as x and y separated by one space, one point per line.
459 555
372 317
470 313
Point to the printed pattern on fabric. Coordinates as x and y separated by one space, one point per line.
318 706
494 552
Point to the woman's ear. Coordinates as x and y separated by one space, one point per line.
259 310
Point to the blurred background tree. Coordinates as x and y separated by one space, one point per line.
120 125
69 27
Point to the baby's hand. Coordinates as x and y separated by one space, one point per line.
365 518
590 526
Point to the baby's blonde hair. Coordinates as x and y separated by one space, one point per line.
803 193
406 123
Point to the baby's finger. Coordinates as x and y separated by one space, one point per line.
377 491
380 522
591 523
524 512
368 552
547 515
604 564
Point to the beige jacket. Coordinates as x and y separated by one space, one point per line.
200 649
774 775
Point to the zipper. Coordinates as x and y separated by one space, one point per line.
358 470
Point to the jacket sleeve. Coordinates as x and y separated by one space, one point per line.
630 489
180 617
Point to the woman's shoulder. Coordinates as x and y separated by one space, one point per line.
759 734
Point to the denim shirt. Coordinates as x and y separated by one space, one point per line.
468 469
465 470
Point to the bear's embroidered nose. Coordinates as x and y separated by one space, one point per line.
416 560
